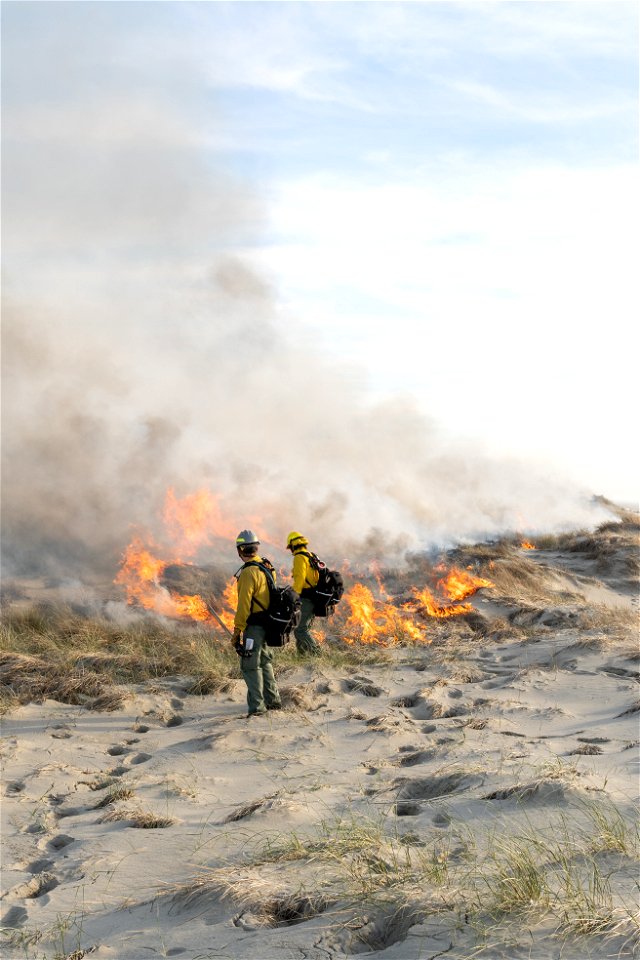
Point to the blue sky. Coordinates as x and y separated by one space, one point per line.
452 196
340 86
444 195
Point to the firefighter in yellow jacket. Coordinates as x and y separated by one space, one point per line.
305 578
256 658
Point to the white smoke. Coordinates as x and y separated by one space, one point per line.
141 351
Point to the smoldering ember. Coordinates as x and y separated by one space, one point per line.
455 774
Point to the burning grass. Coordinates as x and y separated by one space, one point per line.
370 615
152 578
54 652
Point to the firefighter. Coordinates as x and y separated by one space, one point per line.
305 579
256 658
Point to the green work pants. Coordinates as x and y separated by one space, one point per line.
257 670
305 643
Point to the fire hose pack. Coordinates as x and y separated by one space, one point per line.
282 616
329 589
283 613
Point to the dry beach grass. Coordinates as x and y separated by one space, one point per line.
471 797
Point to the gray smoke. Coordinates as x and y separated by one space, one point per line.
141 350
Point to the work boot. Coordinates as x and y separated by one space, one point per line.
274 706
256 713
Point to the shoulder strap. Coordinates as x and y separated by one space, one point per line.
314 560
265 569
268 574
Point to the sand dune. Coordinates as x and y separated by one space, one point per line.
473 797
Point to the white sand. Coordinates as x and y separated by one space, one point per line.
453 749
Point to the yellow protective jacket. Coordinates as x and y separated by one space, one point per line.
253 593
304 576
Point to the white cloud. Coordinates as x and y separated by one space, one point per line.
522 232
507 301
308 49
538 106
500 29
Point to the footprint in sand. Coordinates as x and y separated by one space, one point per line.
37 866
173 720
140 728
59 842
13 918
118 771
413 793
408 702
65 812
117 750
452 712
36 887
501 681
441 819
41 824
14 787
139 758
414 758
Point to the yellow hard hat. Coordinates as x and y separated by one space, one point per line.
295 537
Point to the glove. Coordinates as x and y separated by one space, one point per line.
236 640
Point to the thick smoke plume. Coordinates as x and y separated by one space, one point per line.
142 351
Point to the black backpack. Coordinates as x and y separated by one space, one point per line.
282 615
329 589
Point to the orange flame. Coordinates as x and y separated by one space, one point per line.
190 523
527 546
376 621
140 576
193 607
193 520
230 600
139 573
430 606
372 620
457 585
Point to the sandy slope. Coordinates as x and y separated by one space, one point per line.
299 835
